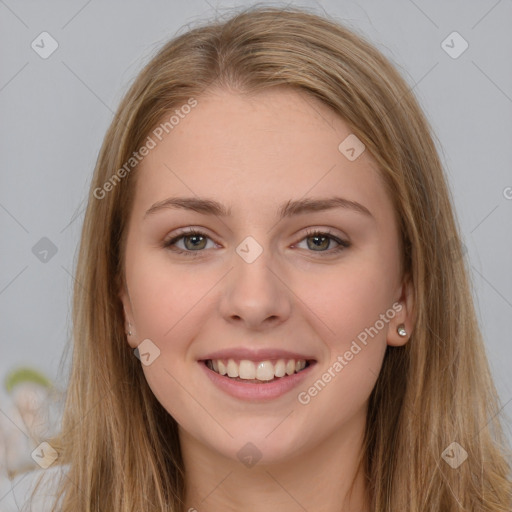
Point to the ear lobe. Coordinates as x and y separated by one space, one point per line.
402 324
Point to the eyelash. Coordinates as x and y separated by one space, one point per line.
343 244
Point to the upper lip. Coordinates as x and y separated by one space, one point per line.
256 355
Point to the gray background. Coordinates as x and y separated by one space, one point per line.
55 112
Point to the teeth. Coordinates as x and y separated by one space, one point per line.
232 368
300 365
247 370
222 368
263 370
280 368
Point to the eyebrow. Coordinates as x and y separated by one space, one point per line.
207 206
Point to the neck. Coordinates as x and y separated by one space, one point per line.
326 477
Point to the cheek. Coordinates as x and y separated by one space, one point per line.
352 311
349 300
164 299
167 303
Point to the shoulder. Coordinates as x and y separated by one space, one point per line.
15 494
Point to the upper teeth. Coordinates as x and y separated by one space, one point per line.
263 370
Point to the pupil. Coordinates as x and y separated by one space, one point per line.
190 237
316 237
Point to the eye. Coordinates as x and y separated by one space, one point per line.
197 241
322 239
191 249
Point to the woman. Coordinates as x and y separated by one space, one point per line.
243 370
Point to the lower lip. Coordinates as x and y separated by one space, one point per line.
253 391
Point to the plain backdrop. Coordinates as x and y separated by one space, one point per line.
55 111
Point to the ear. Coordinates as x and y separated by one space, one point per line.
129 324
405 314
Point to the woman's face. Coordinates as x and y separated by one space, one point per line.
255 286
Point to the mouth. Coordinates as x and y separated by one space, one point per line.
258 372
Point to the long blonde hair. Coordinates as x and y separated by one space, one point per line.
122 446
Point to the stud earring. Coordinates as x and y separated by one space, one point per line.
401 330
129 330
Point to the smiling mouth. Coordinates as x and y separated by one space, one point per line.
257 372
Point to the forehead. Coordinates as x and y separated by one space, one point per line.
253 151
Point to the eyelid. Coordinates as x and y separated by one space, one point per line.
342 240
327 231
184 232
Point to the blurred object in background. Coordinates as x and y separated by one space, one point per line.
30 412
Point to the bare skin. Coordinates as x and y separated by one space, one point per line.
253 154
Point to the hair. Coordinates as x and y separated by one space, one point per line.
123 447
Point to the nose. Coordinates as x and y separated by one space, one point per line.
256 295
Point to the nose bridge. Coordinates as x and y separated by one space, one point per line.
254 292
253 273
